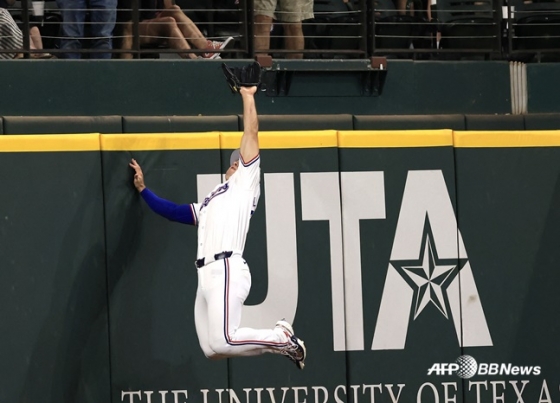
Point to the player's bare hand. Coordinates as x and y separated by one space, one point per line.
247 90
138 175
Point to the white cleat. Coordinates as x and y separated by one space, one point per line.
296 350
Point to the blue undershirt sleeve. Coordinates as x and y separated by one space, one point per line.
182 213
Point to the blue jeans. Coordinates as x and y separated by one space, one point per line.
103 14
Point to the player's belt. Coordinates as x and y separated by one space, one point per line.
204 261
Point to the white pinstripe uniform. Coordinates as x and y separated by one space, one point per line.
224 284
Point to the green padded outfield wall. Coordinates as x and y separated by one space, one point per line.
541 79
151 271
508 192
190 88
395 254
53 299
398 203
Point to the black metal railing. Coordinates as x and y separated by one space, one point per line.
533 30
353 29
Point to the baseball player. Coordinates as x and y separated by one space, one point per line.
224 279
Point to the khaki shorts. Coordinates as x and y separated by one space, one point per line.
285 10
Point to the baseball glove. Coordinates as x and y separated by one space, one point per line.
245 76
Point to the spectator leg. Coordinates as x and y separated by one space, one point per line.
35 40
293 39
73 16
165 30
103 17
188 28
263 24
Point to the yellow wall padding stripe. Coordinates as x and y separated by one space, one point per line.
545 138
231 140
49 142
282 140
278 140
160 141
402 138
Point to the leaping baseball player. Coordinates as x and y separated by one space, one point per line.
224 279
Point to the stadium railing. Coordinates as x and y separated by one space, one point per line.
352 29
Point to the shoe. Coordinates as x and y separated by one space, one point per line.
216 46
296 350
36 56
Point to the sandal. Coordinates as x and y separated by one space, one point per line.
42 56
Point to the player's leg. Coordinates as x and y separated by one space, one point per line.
201 325
225 294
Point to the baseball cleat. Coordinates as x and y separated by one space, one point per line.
285 327
296 350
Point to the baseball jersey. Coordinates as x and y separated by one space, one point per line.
223 217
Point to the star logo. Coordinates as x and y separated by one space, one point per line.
429 276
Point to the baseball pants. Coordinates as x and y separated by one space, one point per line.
223 286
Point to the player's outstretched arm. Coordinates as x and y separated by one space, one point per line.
250 141
183 213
